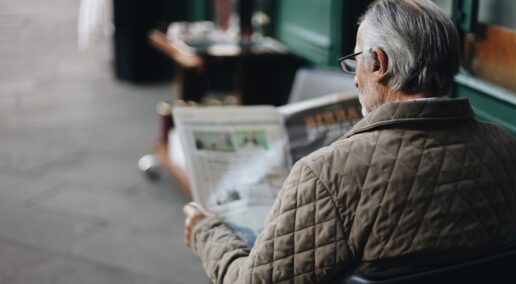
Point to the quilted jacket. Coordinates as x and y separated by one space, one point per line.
413 182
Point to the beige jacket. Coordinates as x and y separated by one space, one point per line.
413 182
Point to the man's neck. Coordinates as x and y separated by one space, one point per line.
396 96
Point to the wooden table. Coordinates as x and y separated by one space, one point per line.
264 70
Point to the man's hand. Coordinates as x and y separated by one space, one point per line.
194 213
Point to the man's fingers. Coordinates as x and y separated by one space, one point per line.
188 209
194 213
187 238
190 222
205 212
194 207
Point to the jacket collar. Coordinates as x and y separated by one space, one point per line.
414 111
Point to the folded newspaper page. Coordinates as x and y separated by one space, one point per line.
236 160
318 122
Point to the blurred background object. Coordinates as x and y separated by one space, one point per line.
135 60
95 20
150 167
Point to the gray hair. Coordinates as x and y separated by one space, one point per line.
420 41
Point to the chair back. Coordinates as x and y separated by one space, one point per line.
493 268
310 83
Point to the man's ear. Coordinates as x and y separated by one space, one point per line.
380 63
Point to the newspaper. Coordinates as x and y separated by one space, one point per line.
318 122
235 159
238 157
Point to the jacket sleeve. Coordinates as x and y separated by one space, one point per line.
303 240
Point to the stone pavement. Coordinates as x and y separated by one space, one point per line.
74 207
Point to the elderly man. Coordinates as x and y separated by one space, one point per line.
418 181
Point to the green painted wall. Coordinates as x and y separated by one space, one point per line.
494 12
320 31
307 28
446 5
498 12
490 102
199 10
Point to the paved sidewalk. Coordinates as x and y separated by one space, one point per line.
73 206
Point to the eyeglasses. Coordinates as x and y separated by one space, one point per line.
348 63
